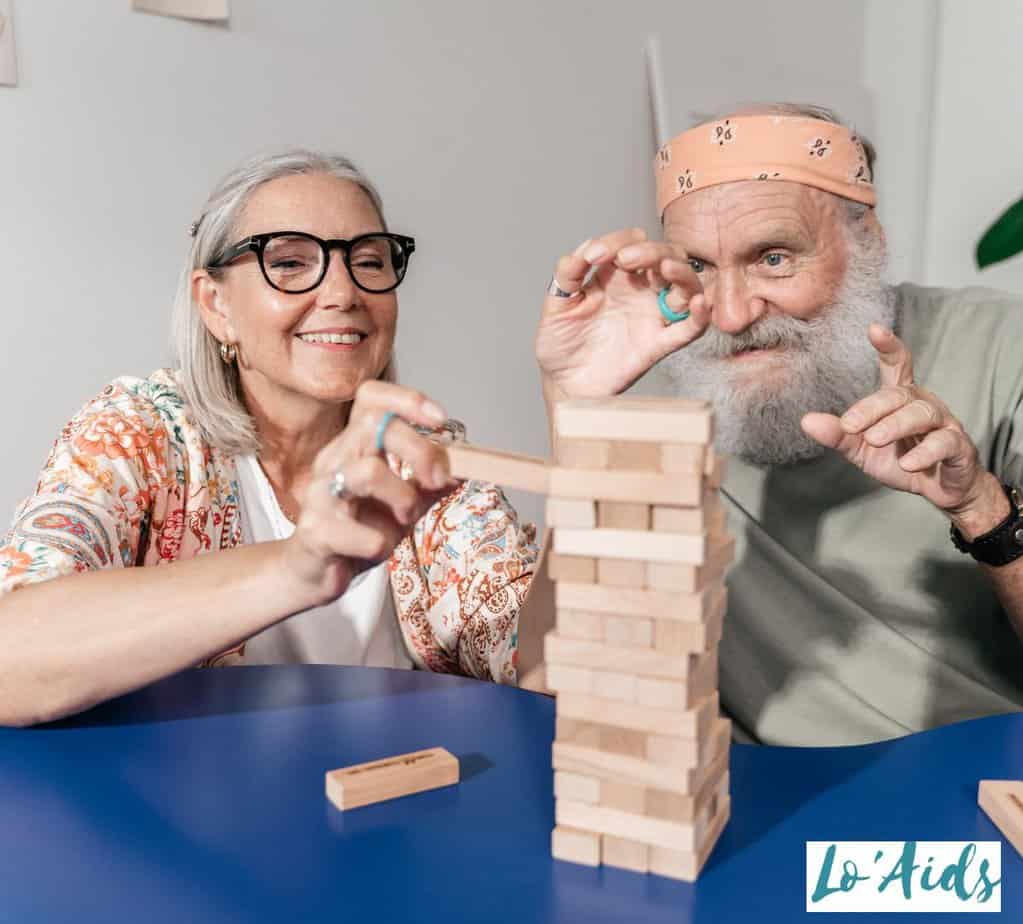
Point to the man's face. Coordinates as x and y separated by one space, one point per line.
791 291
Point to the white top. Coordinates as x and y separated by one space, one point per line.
360 627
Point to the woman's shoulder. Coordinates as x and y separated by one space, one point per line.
129 403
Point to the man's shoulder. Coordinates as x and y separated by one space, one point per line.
934 303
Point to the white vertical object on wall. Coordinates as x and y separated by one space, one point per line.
900 68
8 60
204 10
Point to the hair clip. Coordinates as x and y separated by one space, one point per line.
194 227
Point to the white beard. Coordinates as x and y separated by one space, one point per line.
825 364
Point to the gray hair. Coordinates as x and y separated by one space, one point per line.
211 388
854 210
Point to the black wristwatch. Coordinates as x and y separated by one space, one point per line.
1000 545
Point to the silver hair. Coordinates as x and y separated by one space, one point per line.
854 210
211 387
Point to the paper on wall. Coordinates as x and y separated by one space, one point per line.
204 10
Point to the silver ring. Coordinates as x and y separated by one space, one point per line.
554 289
338 486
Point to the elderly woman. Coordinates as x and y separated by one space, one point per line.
282 446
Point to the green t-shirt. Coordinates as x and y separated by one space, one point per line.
851 617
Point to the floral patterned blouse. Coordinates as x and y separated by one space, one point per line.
130 481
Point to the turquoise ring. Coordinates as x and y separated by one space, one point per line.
385 422
672 317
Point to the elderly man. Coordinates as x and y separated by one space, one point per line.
863 420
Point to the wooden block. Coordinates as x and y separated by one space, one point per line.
593 454
619 572
679 638
659 803
573 514
681 695
624 854
716 470
636 487
691 725
634 545
664 519
609 684
619 515
562 679
576 787
686 865
636 457
577 755
379 780
634 418
626 797
674 806
1002 801
580 624
691 578
573 568
610 739
575 846
527 473
599 656
631 601
628 631
680 753
682 458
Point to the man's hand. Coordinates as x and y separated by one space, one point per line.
906 438
601 340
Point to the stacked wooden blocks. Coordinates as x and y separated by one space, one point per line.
639 553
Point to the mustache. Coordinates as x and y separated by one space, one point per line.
768 333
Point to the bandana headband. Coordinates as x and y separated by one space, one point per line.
764 147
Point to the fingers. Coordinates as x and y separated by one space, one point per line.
896 412
938 446
827 430
646 255
682 333
572 270
896 360
375 398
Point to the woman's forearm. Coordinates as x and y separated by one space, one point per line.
69 643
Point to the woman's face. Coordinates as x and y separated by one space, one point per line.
277 357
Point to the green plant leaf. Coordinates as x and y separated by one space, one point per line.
1003 239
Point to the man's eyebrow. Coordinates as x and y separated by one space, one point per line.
777 240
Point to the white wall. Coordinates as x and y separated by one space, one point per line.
501 134
977 139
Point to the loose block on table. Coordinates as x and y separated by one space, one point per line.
402 775
1002 801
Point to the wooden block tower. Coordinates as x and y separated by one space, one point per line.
639 553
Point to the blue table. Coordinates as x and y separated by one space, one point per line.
201 799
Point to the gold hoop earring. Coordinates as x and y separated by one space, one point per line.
228 352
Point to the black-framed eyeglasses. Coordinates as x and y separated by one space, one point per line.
296 262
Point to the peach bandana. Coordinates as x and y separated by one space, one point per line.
764 147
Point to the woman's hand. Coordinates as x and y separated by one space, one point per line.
601 340
336 538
